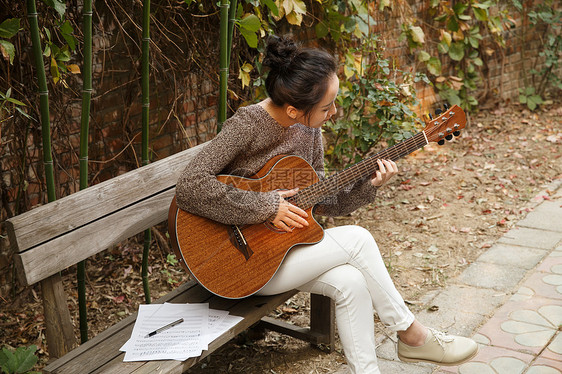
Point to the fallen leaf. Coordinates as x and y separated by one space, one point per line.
288 310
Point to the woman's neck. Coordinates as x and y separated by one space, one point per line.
278 113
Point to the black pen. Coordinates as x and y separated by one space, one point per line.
164 328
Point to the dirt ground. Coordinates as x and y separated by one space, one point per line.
447 206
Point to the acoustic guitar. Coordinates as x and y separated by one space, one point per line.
237 261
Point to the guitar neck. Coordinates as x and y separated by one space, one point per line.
328 187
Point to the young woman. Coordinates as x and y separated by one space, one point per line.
346 265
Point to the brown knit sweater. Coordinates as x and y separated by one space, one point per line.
249 139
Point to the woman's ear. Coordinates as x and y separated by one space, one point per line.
292 112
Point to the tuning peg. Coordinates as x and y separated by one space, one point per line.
457 133
430 116
441 142
449 137
438 111
446 106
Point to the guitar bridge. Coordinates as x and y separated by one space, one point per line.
237 239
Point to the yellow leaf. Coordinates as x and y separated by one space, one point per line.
288 6
357 32
357 62
417 34
294 18
458 36
55 70
244 74
281 10
299 6
348 72
446 36
456 85
247 67
233 95
73 68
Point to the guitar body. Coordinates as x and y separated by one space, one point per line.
237 261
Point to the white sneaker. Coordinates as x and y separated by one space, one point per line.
439 348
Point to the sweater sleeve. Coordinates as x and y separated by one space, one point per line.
348 199
199 192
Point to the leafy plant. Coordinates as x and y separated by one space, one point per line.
60 43
530 97
171 259
19 361
7 103
8 29
375 106
460 28
60 56
546 16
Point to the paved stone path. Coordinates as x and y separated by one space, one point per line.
509 300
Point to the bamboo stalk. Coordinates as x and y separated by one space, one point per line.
145 71
43 100
223 72
59 331
231 19
84 135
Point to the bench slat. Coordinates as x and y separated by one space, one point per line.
58 217
56 255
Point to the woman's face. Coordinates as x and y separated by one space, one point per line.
325 109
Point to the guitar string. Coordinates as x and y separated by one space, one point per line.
310 195
320 190
327 187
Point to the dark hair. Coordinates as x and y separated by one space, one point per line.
298 76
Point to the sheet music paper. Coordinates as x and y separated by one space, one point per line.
225 324
178 343
188 339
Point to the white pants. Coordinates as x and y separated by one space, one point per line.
347 267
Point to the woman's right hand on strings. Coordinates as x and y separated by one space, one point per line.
288 215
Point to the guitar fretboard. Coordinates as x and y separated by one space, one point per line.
328 187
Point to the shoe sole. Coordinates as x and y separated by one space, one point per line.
406 359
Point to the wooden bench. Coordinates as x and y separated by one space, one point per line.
55 236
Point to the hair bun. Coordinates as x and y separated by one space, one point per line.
279 52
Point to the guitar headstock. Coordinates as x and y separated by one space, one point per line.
446 125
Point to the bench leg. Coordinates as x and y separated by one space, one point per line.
322 319
58 324
322 323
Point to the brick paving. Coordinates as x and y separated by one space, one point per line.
509 300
